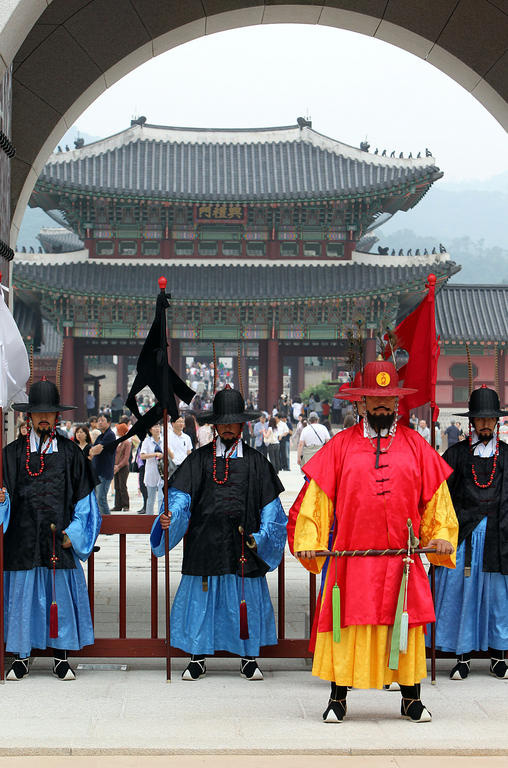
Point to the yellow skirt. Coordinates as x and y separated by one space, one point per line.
361 657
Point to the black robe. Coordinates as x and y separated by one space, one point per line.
213 542
472 503
36 502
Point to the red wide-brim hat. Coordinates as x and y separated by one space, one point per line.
379 379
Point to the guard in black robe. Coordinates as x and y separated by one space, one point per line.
472 601
225 498
51 518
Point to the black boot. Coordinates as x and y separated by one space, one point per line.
195 669
411 707
462 668
19 669
61 667
498 666
249 668
336 710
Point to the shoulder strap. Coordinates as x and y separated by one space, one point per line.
317 435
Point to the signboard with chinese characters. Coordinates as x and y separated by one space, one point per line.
219 212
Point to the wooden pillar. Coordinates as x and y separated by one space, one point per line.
121 376
370 350
273 373
502 378
262 368
68 393
349 246
79 389
97 395
174 356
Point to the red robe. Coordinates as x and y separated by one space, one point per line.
372 507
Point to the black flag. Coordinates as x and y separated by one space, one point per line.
155 372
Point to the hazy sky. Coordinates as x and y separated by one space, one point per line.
352 87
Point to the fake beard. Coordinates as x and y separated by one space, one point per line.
379 421
228 443
485 436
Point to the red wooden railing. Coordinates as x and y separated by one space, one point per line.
155 646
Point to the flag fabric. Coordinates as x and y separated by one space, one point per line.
154 371
417 335
14 364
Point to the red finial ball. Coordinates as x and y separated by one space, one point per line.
162 283
431 279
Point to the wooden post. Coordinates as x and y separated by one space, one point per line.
166 547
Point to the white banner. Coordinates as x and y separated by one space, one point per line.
14 364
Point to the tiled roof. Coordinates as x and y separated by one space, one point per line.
58 240
227 282
468 312
198 164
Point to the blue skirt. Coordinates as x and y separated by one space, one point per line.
205 622
27 600
471 613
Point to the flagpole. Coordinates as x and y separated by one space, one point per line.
431 283
2 649
162 285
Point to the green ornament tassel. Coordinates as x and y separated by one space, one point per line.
336 613
396 631
404 632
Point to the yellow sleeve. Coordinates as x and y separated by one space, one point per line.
313 525
439 521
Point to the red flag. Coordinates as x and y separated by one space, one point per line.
417 335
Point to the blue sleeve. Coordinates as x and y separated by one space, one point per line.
84 526
271 537
179 505
5 511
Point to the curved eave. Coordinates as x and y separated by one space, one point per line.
47 192
225 284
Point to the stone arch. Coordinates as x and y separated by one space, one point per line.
65 53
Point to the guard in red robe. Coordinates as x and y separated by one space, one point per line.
361 489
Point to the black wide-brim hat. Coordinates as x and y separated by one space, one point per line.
483 404
228 408
43 397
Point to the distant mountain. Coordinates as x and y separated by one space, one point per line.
452 212
480 263
498 183
33 221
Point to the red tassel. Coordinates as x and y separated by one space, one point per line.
53 620
244 624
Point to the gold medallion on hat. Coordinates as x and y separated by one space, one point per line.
383 378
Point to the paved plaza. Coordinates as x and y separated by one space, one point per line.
125 707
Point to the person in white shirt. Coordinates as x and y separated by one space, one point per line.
423 430
313 437
179 443
150 452
297 408
284 433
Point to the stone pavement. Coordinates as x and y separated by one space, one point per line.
125 707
